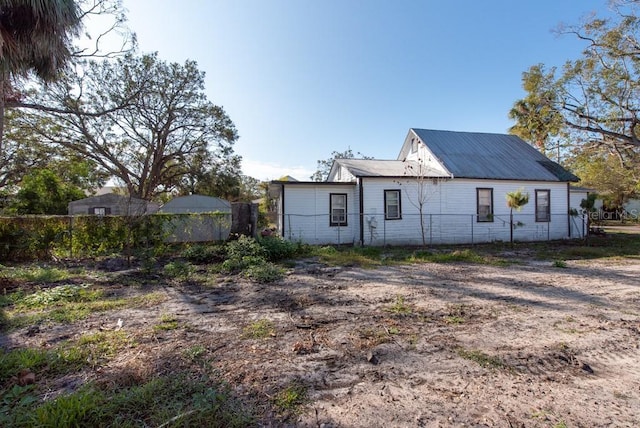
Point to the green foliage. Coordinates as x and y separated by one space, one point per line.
559 264
36 238
602 170
178 269
167 322
171 401
291 398
31 238
481 358
276 248
195 352
260 329
197 135
201 254
59 295
362 257
399 307
517 199
245 246
88 302
264 272
590 101
42 274
44 192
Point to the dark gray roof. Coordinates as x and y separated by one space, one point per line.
387 168
491 156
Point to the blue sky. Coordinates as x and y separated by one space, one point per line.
303 78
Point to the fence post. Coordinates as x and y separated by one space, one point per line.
384 231
471 229
431 229
71 237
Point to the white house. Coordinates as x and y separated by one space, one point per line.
444 187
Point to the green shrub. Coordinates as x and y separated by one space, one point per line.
245 246
59 295
277 248
238 264
178 269
201 254
264 272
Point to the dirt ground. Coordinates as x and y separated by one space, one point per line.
522 345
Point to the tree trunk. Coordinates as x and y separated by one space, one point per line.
2 99
424 242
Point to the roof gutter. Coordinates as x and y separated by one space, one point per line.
361 209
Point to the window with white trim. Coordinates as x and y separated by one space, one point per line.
543 205
101 211
392 205
337 209
484 198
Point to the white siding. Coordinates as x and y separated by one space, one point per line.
422 153
306 218
449 212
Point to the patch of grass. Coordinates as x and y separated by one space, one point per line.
39 274
178 269
195 352
457 313
454 319
171 401
366 257
59 295
104 345
481 358
455 256
89 350
291 398
200 254
596 247
68 312
167 322
559 264
264 272
399 307
370 337
260 329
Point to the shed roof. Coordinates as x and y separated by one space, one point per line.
388 168
195 204
107 198
491 156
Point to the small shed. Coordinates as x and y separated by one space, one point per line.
213 222
112 204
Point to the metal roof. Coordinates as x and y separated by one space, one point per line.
491 156
388 168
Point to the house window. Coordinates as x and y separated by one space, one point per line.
99 211
414 145
484 199
543 205
338 209
392 205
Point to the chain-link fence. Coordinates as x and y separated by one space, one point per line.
430 229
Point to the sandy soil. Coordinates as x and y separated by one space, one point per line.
526 345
